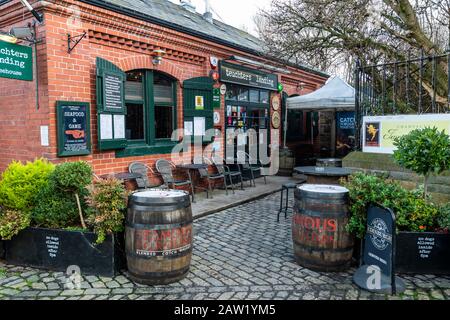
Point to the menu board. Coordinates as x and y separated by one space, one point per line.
74 136
113 92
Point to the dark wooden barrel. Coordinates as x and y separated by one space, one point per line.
329 162
159 236
320 240
287 163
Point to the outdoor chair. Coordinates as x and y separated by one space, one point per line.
227 172
204 174
166 168
250 166
141 168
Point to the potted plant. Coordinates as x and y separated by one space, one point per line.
70 222
423 241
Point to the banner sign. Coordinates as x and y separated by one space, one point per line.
346 130
74 136
16 62
379 133
233 73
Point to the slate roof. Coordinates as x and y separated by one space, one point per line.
174 16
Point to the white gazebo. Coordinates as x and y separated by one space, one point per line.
336 95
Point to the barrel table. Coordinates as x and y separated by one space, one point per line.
158 236
321 241
324 175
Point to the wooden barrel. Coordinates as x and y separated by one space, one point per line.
287 162
159 236
329 162
320 240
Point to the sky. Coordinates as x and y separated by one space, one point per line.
238 13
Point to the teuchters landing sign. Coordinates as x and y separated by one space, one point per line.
233 73
16 62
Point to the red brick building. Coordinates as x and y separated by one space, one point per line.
135 101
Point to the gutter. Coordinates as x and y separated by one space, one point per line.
179 28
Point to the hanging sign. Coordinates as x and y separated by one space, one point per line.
378 271
276 103
379 133
216 98
223 89
74 136
233 73
16 61
276 120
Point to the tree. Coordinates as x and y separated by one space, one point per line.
333 34
424 151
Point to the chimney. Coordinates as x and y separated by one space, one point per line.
187 4
208 16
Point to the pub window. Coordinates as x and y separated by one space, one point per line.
232 93
264 96
254 96
134 100
243 94
163 88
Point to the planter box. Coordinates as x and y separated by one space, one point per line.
419 253
56 250
2 250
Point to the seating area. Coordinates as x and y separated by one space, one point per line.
209 177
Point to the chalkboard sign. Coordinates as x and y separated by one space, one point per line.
113 92
74 134
379 253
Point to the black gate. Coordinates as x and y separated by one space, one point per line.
415 86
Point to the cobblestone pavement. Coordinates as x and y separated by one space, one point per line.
240 253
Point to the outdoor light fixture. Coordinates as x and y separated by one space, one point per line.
158 55
258 64
22 32
8 38
38 16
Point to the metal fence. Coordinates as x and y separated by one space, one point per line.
415 86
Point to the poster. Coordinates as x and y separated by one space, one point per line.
119 127
346 131
106 127
74 137
188 128
199 103
199 127
379 133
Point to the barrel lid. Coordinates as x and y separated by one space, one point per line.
158 194
323 188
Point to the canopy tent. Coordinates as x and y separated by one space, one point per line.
336 94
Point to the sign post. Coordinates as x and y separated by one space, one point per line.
377 273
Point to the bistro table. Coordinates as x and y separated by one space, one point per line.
128 179
323 175
192 167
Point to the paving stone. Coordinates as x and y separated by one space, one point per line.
98 285
113 284
437 295
50 293
39 286
70 293
53 286
97 291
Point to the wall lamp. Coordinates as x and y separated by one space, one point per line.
158 55
37 15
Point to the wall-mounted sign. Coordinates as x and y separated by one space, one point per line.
223 89
276 120
377 272
379 133
216 118
214 62
199 103
113 88
276 103
216 98
16 62
345 132
74 134
233 73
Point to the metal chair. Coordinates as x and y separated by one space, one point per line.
204 174
166 169
227 172
141 168
248 166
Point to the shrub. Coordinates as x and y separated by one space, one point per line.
444 218
56 210
12 222
108 202
21 184
424 151
73 177
413 213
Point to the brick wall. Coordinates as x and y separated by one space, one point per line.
124 41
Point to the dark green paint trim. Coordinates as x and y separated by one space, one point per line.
145 150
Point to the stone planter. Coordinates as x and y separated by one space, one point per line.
419 253
56 250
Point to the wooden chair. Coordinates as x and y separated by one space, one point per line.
166 169
141 168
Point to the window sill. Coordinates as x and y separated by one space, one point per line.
144 150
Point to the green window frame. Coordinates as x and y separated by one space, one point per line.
151 144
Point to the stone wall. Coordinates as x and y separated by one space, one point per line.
384 165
